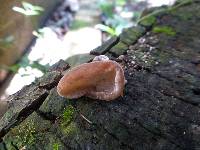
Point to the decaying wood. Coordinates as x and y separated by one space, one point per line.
160 108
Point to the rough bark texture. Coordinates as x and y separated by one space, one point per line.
160 108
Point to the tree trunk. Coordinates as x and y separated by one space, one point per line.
160 107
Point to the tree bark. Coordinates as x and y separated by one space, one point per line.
160 107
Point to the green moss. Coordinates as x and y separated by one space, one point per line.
119 49
56 146
68 114
67 125
66 119
24 134
131 35
164 29
70 128
148 20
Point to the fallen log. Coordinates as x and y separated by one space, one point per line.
160 108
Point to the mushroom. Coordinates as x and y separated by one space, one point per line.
101 79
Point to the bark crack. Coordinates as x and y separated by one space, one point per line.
23 114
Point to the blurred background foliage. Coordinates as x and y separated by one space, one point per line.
112 16
119 14
27 10
115 15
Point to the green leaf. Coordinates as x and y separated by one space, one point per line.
28 9
14 68
37 65
107 29
121 2
20 10
29 6
164 29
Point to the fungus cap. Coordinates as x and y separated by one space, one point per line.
102 80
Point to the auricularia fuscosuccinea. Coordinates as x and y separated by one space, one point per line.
101 79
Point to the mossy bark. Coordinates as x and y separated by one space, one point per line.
160 108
